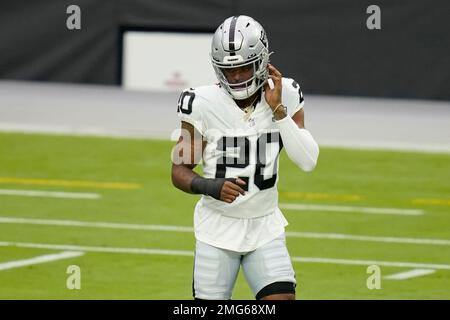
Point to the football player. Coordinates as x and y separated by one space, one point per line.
237 128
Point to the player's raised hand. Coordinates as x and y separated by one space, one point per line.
231 190
273 96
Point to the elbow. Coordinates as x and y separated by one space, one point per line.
174 181
310 162
174 176
308 166
181 177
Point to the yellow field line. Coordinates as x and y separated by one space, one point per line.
439 202
70 183
320 196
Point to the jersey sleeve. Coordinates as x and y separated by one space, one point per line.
190 109
292 96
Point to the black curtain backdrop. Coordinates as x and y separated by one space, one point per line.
324 44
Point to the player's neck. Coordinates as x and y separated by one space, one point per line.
246 102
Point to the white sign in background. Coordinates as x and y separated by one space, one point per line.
166 61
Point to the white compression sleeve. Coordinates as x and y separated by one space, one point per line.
300 145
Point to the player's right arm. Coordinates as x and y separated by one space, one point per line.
185 157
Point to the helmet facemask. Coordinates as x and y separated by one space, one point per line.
247 88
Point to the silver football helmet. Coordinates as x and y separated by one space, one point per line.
240 41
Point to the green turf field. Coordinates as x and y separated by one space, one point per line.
31 227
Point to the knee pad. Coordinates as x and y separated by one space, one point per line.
276 288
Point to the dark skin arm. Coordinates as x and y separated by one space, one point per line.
182 171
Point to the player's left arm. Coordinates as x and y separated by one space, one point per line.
300 145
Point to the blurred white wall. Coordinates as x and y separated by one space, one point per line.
163 61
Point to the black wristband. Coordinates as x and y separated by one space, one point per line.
209 187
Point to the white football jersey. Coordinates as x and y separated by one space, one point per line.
239 145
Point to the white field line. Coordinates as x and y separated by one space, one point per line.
172 228
49 194
371 262
56 129
107 225
314 207
409 274
97 249
83 131
340 236
39 260
146 251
